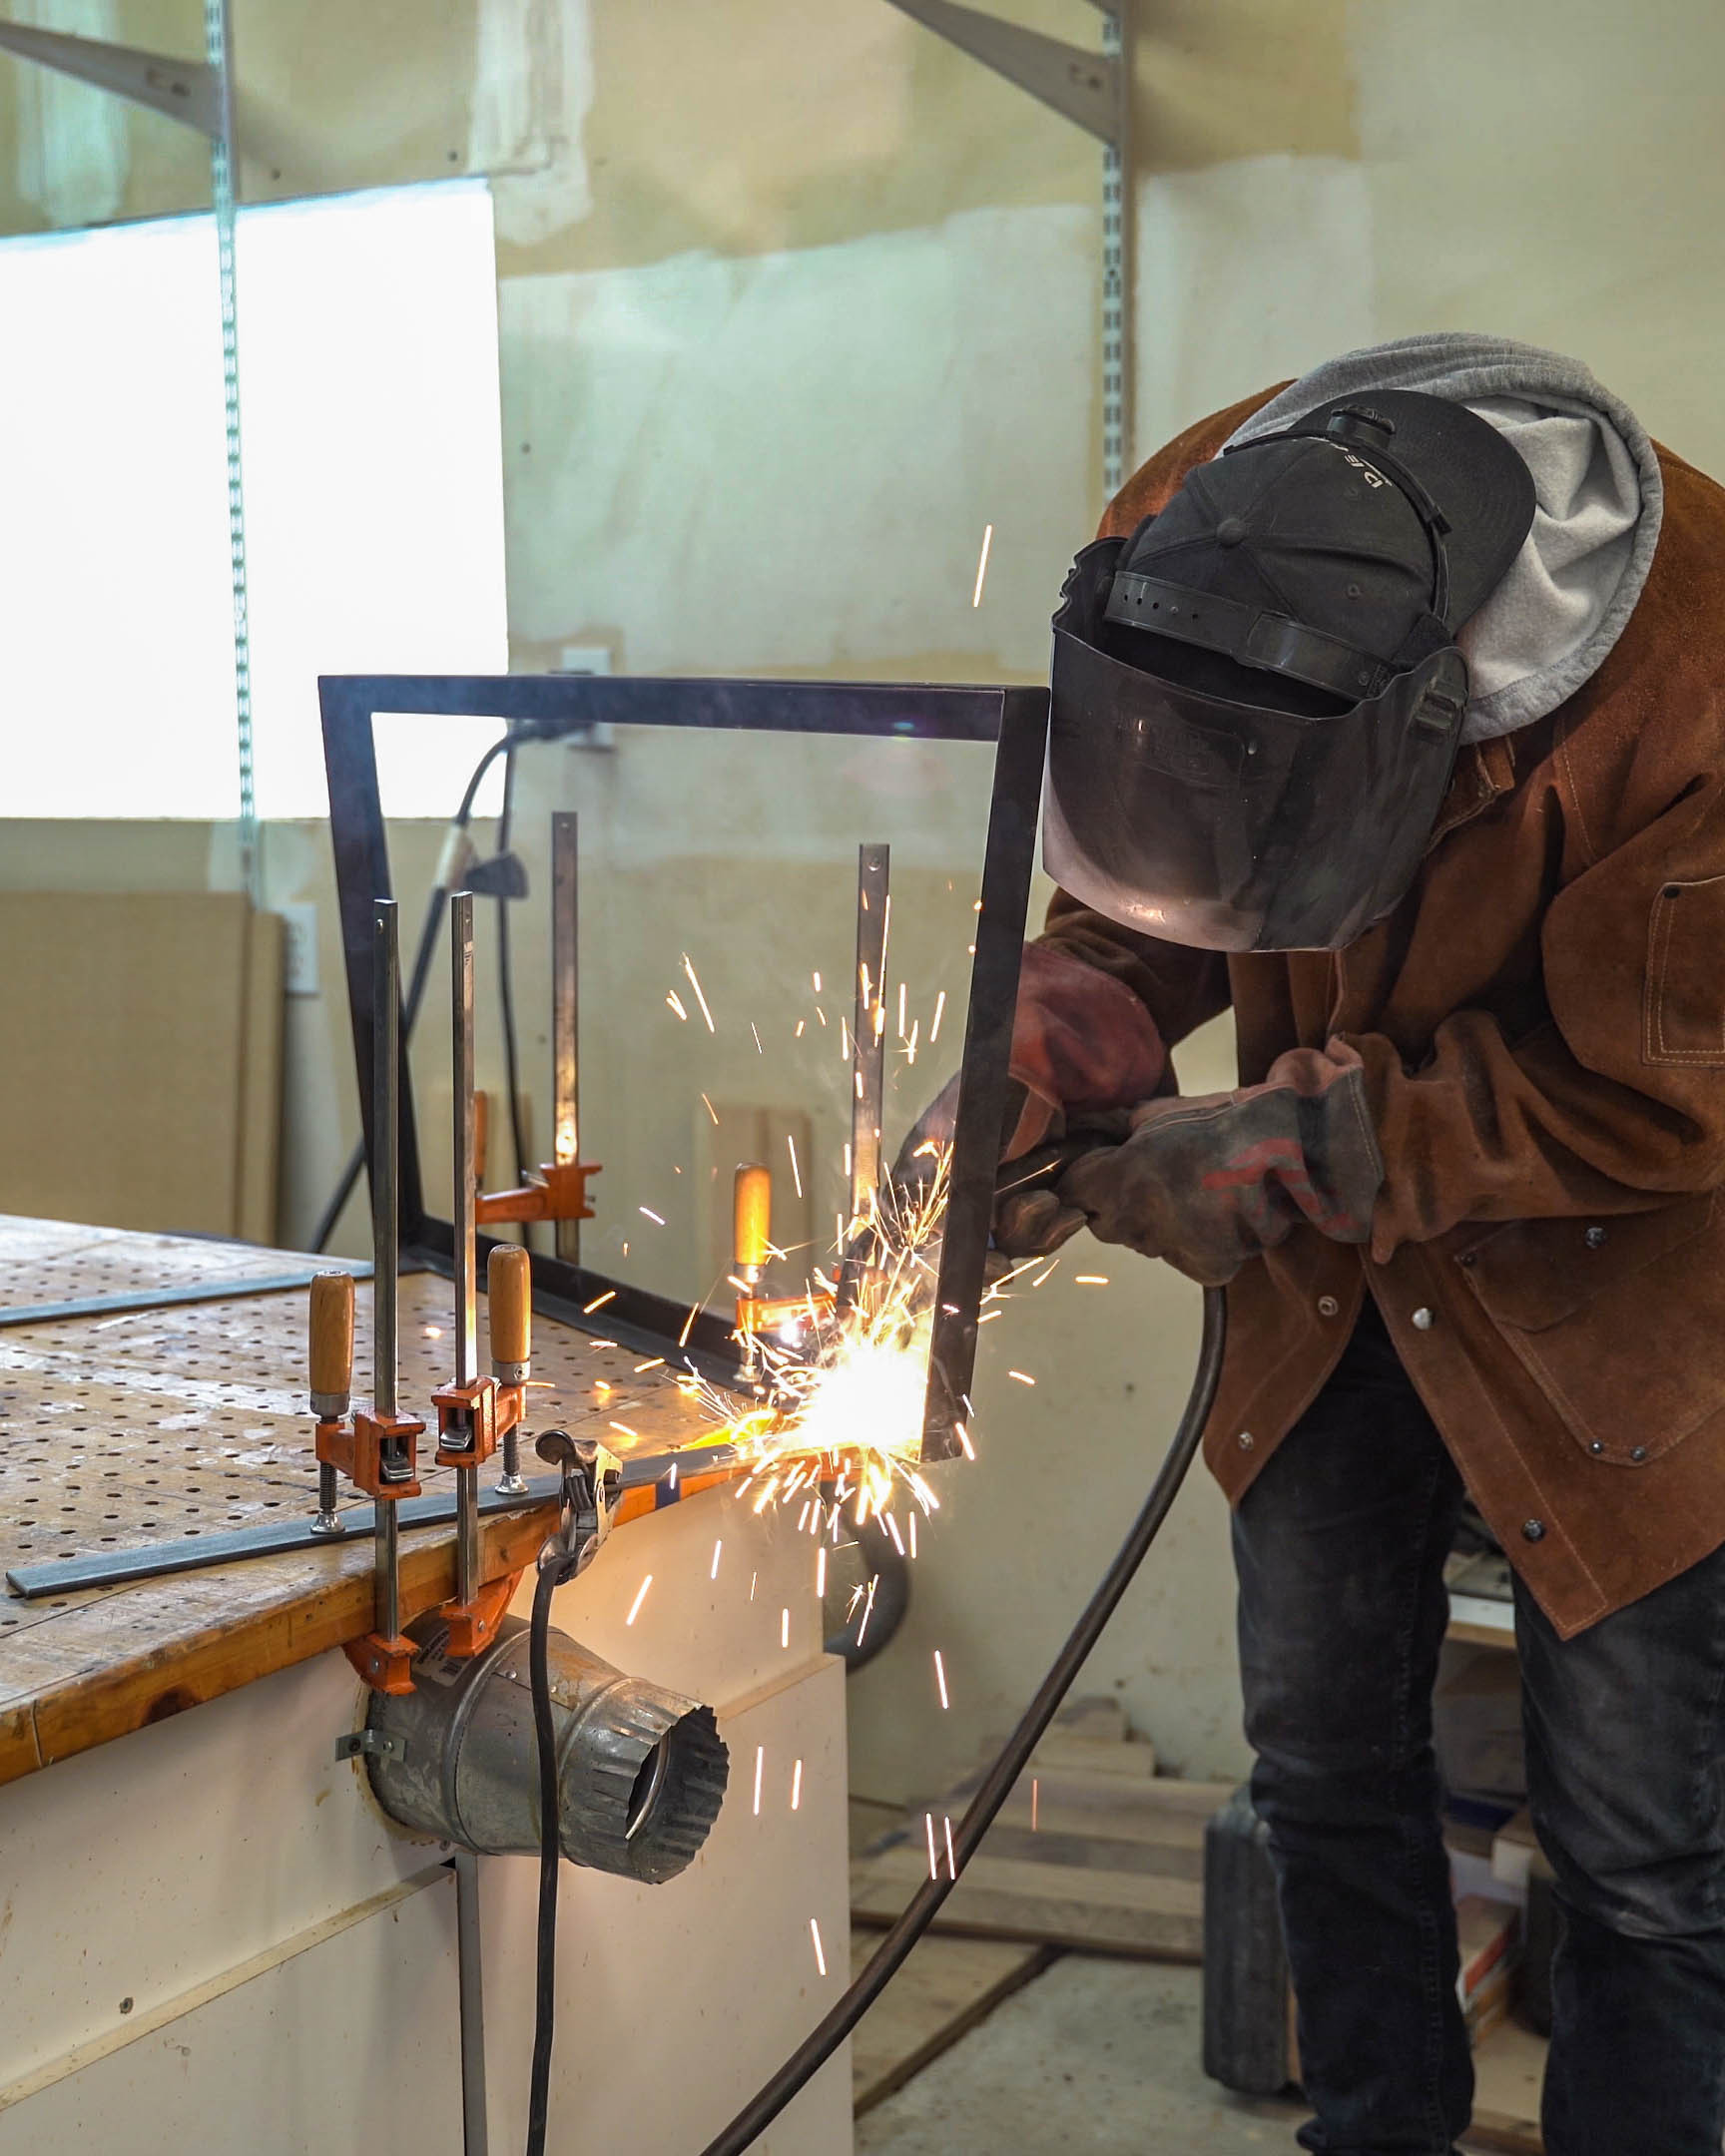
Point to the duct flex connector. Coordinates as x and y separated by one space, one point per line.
641 1770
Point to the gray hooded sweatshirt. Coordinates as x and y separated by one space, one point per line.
1567 594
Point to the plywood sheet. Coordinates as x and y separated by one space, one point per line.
127 1086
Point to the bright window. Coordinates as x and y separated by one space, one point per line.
373 496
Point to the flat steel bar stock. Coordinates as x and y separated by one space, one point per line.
565 1011
868 1049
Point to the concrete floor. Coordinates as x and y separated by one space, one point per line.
1093 2055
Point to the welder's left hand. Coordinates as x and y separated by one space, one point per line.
1210 1182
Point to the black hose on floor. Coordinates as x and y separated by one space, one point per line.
822 2040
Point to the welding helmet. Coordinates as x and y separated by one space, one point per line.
1258 695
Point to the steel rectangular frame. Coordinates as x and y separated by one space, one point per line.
551 707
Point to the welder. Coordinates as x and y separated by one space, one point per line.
1389 711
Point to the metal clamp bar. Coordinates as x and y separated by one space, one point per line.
465 1222
386 1227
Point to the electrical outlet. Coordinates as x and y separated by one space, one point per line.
588 659
300 916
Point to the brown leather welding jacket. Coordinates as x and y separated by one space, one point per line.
1542 1027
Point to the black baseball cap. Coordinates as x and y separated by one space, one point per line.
1305 568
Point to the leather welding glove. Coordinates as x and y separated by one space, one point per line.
1210 1182
1082 1042
1031 1218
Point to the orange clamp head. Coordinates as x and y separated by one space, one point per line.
509 1301
332 1345
750 1219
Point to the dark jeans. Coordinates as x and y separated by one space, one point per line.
1339 1546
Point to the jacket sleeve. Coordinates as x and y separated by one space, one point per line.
1617 1100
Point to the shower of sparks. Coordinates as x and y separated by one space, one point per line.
821 1571
753 1578
688 1325
893 1530
964 1445
1019 1374
1035 1801
756 1030
676 1003
815 1933
940 1013
797 1784
815 978
785 1628
433 1332
940 1680
982 564
795 1172
717 1547
658 1218
710 1110
933 1860
912 1534
623 1428
657 1363
639 1593
867 1608
902 1011
599 1302
759 1763
1091 1279
951 1860
694 983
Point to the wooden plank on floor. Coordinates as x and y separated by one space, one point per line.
1509 2071
944 1990
1058 1905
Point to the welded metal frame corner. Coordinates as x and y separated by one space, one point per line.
1008 863
549 707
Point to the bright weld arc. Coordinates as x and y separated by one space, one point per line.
689 969
982 564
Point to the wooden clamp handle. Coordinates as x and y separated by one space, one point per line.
509 1298
332 1345
750 1218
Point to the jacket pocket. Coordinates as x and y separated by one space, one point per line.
1683 1002
1619 1321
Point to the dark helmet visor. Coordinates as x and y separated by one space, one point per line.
1236 827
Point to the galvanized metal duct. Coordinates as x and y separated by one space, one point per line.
640 1772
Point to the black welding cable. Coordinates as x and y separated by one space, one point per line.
416 981
821 2042
552 1573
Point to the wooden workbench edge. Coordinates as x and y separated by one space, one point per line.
77 1715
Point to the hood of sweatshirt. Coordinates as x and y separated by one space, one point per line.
1567 596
